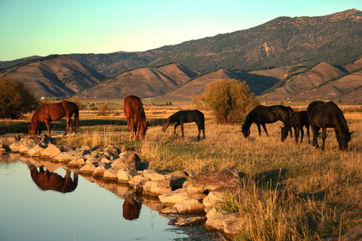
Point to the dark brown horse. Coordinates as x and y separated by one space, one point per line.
261 115
328 115
186 116
135 117
53 112
297 121
131 207
47 180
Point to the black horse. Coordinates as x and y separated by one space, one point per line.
328 115
297 121
266 114
186 116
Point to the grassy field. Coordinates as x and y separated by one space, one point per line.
290 192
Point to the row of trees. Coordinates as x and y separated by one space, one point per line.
229 99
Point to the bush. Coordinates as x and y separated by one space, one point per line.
230 99
15 99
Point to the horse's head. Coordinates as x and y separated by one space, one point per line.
245 130
143 129
32 129
284 133
343 140
165 125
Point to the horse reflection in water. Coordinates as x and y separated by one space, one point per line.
132 207
47 180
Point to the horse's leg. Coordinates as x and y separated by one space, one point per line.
49 128
174 128
130 128
301 134
182 129
296 134
259 130
203 131
67 124
264 127
199 129
324 136
136 132
308 133
315 130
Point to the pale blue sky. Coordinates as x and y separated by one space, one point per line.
43 27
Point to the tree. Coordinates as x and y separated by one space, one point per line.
15 99
230 99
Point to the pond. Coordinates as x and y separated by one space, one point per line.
50 203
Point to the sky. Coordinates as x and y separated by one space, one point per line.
43 27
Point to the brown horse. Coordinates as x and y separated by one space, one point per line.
47 180
135 117
328 115
53 112
297 121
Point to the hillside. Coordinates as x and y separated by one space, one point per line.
284 41
53 76
144 82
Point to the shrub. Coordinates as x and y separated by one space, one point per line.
230 99
15 99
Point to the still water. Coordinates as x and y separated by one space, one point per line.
69 207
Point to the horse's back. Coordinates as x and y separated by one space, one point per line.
321 113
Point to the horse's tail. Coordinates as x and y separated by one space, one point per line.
76 119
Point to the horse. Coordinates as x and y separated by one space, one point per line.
135 117
328 115
298 120
47 180
266 114
186 116
53 112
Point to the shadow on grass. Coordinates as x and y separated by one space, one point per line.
22 127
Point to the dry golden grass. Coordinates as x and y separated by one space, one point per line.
291 192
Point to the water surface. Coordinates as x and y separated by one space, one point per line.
88 212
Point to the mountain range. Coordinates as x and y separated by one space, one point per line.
297 58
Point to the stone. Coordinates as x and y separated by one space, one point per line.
93 159
187 221
212 199
119 164
168 210
157 187
124 176
51 151
229 223
99 171
23 145
87 169
35 151
84 150
110 174
76 162
7 140
68 156
138 180
189 206
170 198
153 175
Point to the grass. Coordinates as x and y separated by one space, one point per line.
290 192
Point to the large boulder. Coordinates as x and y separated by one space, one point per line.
124 176
23 145
189 206
76 162
229 223
68 156
212 199
157 187
89 168
50 151
110 174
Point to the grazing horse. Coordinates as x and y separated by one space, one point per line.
53 112
297 121
135 117
47 180
328 115
186 116
266 114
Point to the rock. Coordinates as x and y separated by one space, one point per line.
168 210
153 175
88 169
124 176
110 174
187 221
229 223
4 148
84 150
138 180
23 145
93 159
190 206
51 151
76 163
212 199
133 161
99 171
170 198
7 140
111 152
35 151
210 181
68 156
157 187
